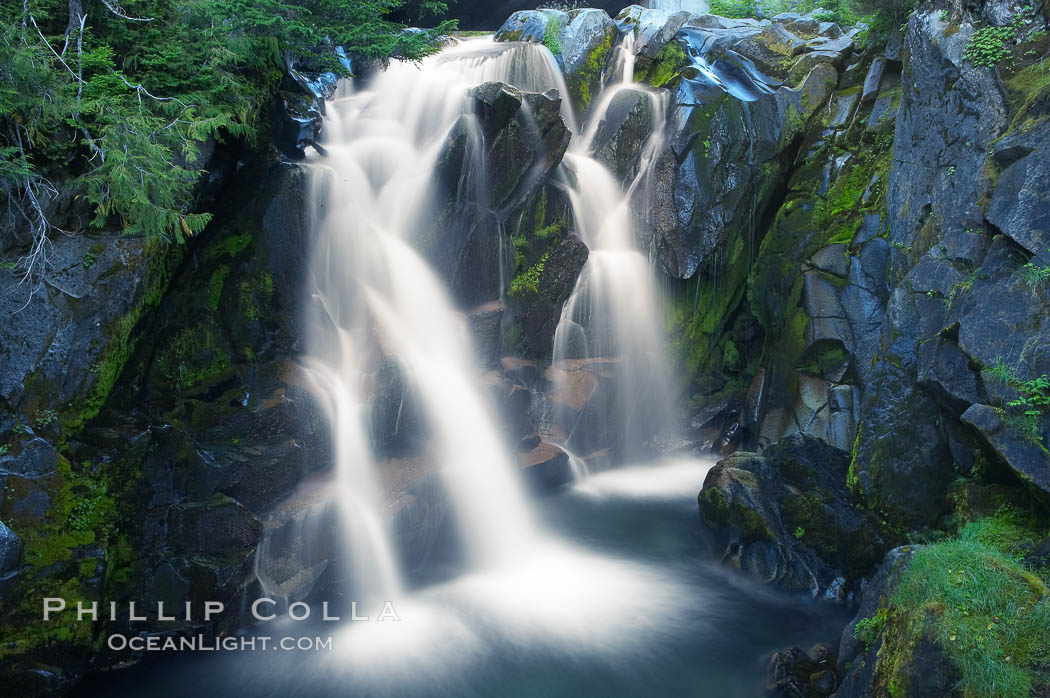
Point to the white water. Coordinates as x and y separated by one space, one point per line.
614 310
375 297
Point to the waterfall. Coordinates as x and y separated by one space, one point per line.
614 311
374 298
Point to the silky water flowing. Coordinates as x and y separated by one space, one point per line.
595 590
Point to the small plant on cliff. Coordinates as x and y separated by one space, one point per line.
528 281
1035 275
868 629
1030 406
988 46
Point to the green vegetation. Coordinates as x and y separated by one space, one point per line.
666 66
528 281
868 629
991 611
124 97
989 45
879 15
1035 275
588 76
551 38
1027 411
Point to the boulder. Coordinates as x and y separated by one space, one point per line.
773 50
586 43
653 29
1020 204
524 25
623 130
542 311
782 516
546 467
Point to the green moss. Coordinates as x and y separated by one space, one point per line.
823 358
667 66
255 295
215 285
162 258
230 246
82 513
589 75
551 37
718 512
868 629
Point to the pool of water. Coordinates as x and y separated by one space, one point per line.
619 599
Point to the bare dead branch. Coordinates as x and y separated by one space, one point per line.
116 9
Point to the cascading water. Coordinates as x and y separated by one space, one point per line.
375 297
605 606
614 311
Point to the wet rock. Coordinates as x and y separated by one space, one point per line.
524 25
781 517
523 138
546 467
623 131
543 310
797 673
485 321
495 104
10 549
772 50
396 419
586 45
221 527
653 29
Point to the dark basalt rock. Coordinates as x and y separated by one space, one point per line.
1025 458
10 549
623 131
541 311
1020 204
784 516
522 138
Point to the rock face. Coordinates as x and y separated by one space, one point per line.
523 138
784 517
